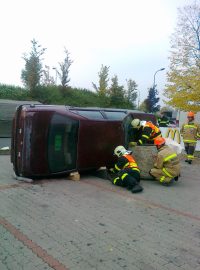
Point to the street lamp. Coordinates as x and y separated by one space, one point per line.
154 77
56 74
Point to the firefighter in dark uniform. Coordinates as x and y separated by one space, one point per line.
163 121
147 131
128 173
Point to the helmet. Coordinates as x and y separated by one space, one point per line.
190 114
119 151
159 141
135 123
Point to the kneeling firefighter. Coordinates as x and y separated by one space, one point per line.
167 164
128 173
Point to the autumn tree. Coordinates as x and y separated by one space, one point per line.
183 87
102 88
32 73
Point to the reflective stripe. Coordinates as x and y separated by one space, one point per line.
189 141
117 168
190 156
135 169
166 172
140 141
124 175
190 126
126 165
170 157
115 180
131 164
162 179
145 136
163 122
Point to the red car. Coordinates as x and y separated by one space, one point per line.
49 140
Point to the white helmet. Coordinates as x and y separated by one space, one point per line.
119 151
143 123
136 123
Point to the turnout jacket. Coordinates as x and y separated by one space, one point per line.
190 131
148 133
163 121
168 161
126 161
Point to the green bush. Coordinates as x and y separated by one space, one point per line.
13 92
54 94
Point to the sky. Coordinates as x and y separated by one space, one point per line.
132 37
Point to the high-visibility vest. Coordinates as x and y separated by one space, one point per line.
131 162
154 128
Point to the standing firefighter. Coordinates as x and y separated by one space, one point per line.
147 132
128 173
163 121
167 164
190 131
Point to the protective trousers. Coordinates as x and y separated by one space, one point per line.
161 176
189 149
127 178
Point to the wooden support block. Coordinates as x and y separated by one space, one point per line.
75 176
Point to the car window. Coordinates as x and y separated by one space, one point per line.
62 143
115 115
90 114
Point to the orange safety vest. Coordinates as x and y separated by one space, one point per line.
154 128
131 163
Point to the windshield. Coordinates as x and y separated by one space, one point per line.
62 143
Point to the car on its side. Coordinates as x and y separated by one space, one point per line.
49 140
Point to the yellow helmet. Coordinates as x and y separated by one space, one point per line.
136 123
119 151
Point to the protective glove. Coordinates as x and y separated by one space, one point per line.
111 170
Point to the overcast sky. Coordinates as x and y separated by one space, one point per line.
130 36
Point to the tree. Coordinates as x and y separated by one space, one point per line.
32 73
102 89
131 92
47 78
116 93
183 87
151 100
143 106
63 72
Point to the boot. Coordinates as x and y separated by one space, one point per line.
189 161
176 178
137 188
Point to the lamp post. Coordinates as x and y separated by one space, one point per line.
154 77
56 74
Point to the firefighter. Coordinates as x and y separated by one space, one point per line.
147 132
126 168
163 121
190 131
167 164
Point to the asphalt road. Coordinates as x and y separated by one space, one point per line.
5 142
